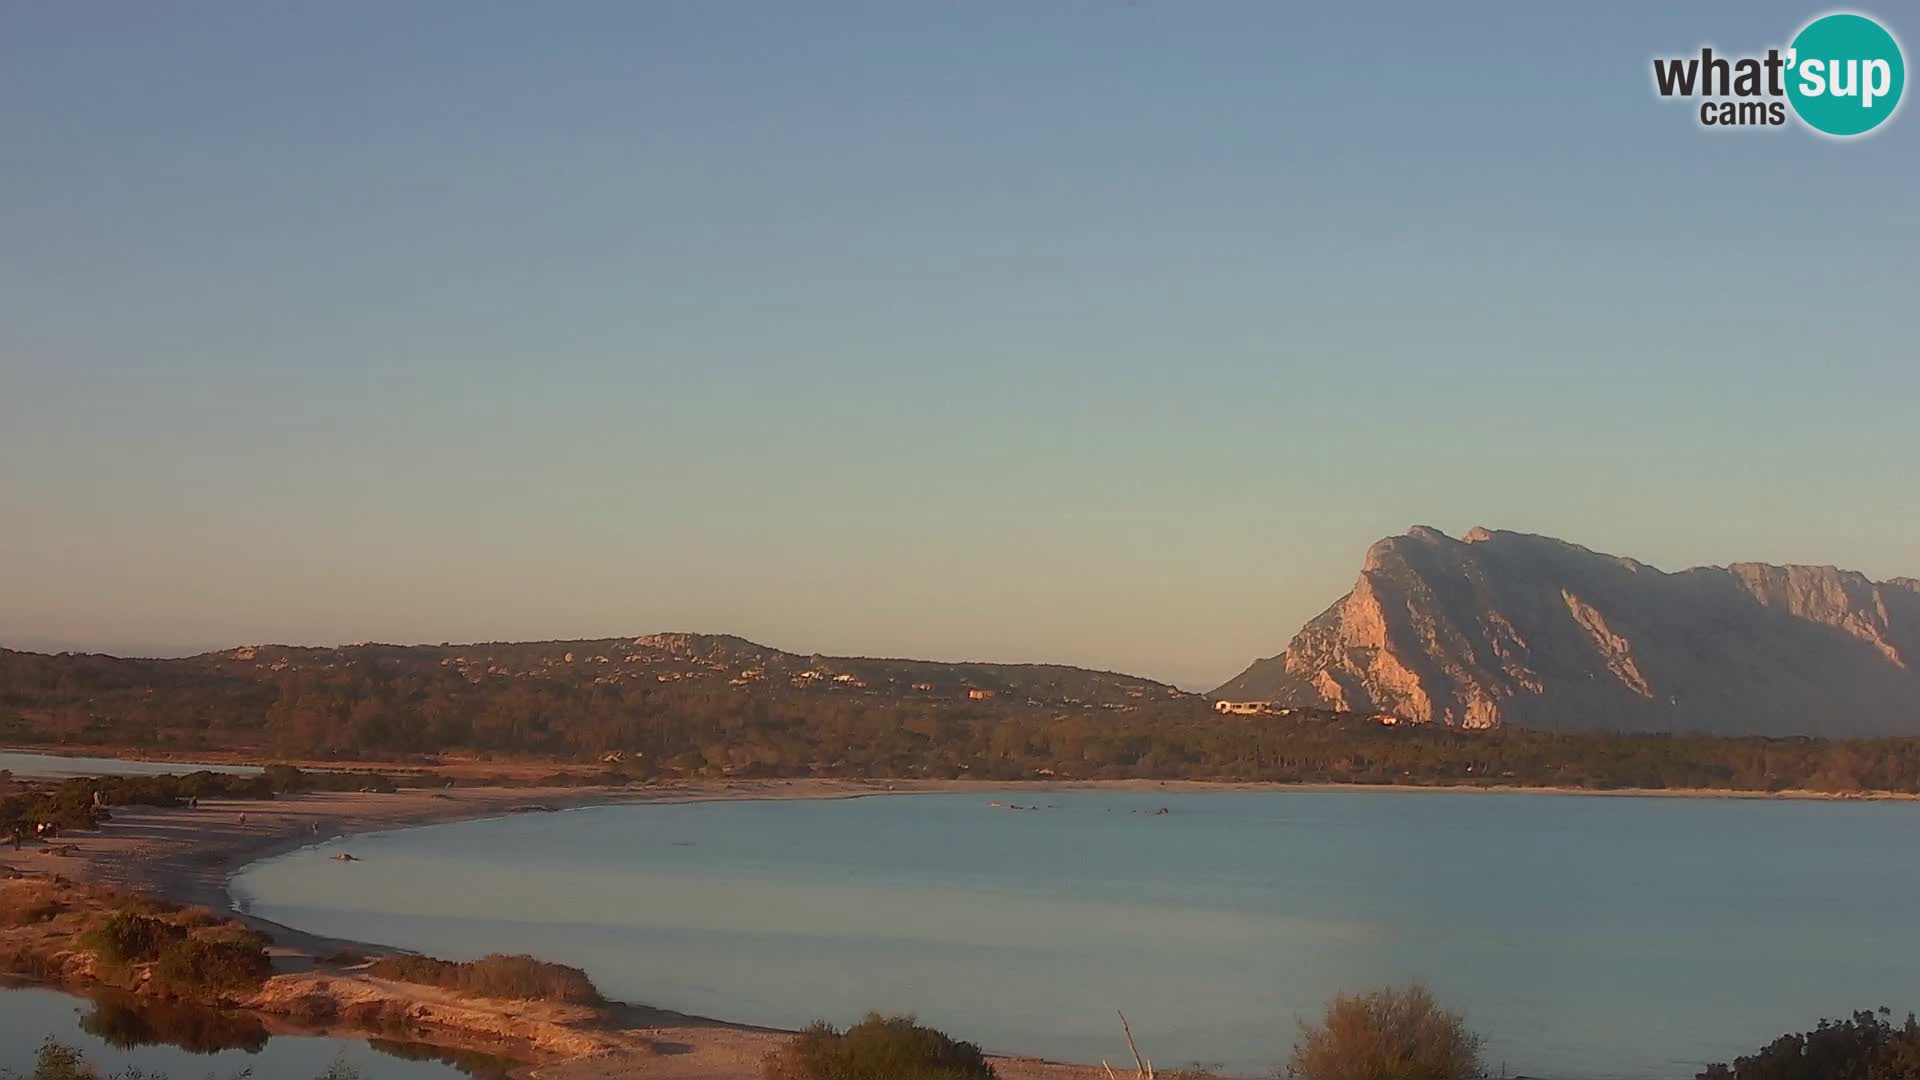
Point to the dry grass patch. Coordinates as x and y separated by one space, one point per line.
23 903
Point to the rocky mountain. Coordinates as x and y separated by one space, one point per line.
1504 628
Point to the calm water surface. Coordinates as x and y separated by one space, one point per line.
115 1032
1587 937
27 763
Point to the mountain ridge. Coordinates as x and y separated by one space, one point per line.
1508 628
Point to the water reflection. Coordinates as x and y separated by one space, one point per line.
124 1022
468 1062
116 1031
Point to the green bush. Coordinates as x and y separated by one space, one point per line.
1866 1047
198 963
127 938
228 956
516 978
877 1048
1388 1034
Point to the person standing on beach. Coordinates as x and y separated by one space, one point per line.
243 819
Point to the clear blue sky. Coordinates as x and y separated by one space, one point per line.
1108 333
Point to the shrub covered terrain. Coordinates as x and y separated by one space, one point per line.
518 978
395 702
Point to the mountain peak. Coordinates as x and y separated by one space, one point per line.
1514 628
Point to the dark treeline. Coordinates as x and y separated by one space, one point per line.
665 729
84 802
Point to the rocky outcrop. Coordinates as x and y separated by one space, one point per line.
1509 628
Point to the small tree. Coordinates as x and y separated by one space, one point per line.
1389 1034
57 1061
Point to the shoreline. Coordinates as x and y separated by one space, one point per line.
526 775
191 857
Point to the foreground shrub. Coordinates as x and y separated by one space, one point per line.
516 978
127 938
199 964
877 1048
1388 1034
1866 1047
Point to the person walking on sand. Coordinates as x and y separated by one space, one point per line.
243 819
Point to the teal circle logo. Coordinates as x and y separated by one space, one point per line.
1845 74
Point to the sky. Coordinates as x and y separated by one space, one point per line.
1105 333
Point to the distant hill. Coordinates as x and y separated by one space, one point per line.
655 705
720 660
735 703
1505 628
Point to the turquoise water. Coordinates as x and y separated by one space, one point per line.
1586 937
26 763
117 1032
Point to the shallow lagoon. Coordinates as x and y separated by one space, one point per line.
1586 936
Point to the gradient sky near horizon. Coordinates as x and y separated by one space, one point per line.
1104 333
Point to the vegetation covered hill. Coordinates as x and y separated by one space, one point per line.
689 697
724 707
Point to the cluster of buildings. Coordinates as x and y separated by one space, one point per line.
1250 708
1271 708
